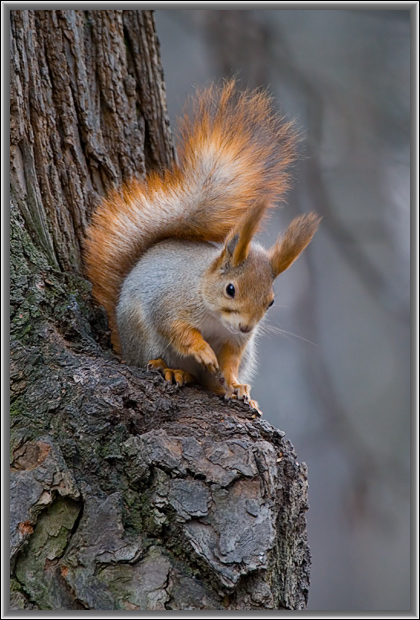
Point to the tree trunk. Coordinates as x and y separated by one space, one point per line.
126 492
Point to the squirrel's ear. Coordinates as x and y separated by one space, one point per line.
288 247
238 242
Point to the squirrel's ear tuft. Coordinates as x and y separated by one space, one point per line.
231 243
224 259
239 240
288 247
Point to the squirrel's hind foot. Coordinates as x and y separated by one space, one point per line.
178 376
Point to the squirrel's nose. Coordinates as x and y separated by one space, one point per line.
245 328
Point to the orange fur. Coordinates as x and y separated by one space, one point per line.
240 238
288 247
233 151
229 360
188 340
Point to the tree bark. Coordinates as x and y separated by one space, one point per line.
126 492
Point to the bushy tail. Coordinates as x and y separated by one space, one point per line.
233 149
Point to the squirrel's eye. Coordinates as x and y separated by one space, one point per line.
230 290
270 304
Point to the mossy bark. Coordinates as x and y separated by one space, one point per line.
126 493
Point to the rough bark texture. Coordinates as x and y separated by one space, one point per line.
126 493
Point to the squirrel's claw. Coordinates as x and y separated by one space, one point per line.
207 357
157 364
240 391
178 376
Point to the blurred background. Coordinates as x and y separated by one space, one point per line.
334 370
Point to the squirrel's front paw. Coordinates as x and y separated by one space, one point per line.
241 391
207 357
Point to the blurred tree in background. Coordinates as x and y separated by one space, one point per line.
334 368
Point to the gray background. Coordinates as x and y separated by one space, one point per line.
337 378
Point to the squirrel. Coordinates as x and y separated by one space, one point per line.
172 257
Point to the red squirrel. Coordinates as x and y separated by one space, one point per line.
172 258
